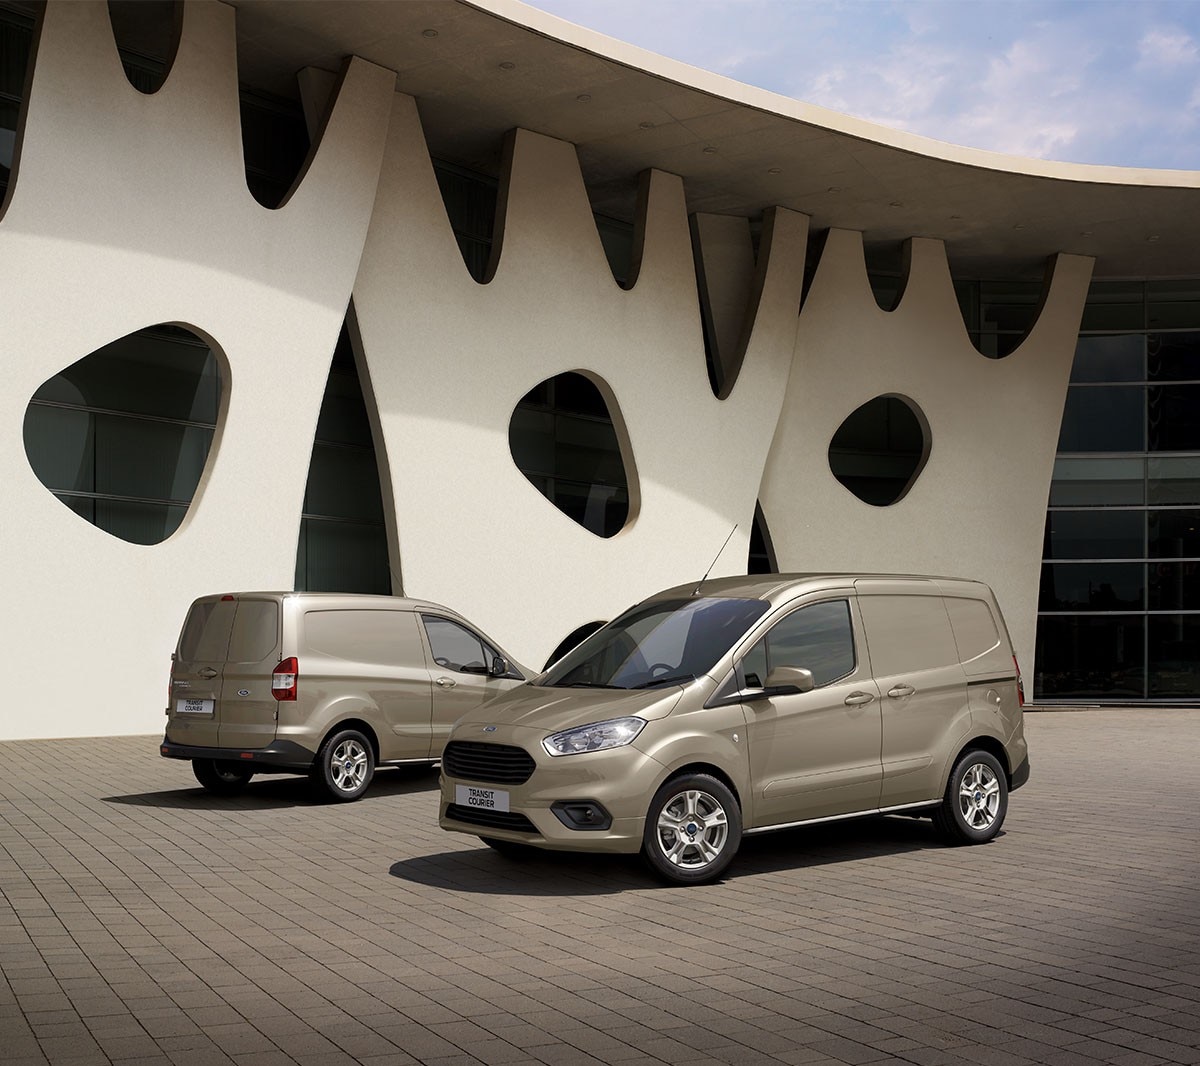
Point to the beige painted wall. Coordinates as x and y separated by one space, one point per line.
979 507
129 210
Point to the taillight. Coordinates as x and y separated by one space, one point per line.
1020 683
283 679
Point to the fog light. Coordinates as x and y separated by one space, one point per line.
582 814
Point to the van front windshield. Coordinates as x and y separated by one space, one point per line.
659 643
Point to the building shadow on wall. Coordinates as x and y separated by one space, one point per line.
274 791
547 873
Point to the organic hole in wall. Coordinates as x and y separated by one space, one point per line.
470 200
343 544
562 439
878 452
147 36
572 640
122 436
761 556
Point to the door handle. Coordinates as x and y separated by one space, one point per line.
900 691
207 672
857 699
446 682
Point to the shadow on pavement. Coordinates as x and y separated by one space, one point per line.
283 790
550 873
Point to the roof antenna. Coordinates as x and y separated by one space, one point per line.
696 590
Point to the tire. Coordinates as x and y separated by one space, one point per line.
344 766
221 777
512 850
693 830
976 800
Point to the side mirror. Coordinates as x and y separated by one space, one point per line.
500 666
789 680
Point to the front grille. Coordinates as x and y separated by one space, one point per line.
492 819
500 764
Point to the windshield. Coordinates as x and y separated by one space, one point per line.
658 643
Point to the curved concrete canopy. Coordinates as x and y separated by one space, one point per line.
480 68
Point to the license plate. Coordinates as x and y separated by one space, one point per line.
487 799
193 706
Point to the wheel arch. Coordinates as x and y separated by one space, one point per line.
992 746
712 771
354 723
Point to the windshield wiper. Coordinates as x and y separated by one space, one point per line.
665 681
585 684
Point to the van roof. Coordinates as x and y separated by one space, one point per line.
765 586
348 599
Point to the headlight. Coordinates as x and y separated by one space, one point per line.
615 733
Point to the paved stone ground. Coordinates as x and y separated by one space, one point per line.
142 921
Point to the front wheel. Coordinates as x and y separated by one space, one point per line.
976 800
693 830
344 766
221 777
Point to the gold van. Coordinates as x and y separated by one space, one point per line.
325 684
742 705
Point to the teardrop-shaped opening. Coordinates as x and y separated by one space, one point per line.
343 543
878 452
761 557
147 37
122 436
275 145
470 201
562 439
16 46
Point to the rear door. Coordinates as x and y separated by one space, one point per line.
922 686
246 717
197 672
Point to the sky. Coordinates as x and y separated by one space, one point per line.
1089 81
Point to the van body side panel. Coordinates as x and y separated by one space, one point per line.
248 710
197 671
923 688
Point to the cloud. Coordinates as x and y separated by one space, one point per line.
1161 48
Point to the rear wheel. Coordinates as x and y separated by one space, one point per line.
693 830
344 766
221 777
976 800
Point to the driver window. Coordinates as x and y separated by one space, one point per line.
819 638
455 648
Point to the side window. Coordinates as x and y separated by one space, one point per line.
206 632
381 638
907 633
819 638
454 647
753 667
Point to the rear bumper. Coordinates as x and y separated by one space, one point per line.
1020 775
279 755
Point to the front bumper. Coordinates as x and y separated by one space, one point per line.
283 755
619 781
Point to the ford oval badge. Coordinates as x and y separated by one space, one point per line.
243 692
489 729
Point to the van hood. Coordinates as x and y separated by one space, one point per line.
555 709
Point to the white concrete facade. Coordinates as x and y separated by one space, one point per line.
128 210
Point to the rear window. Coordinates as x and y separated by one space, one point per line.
974 628
907 633
205 636
385 638
255 635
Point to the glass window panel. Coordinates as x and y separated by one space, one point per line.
1173 356
1008 305
151 372
61 447
531 440
1174 534
343 418
454 647
817 638
1091 587
1098 657
152 460
617 238
1121 357
342 557
343 483
16 41
1094 535
1113 305
1174 586
1173 480
1081 482
1173 304
1174 668
1103 419
138 523
274 144
8 137
967 293
1173 414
